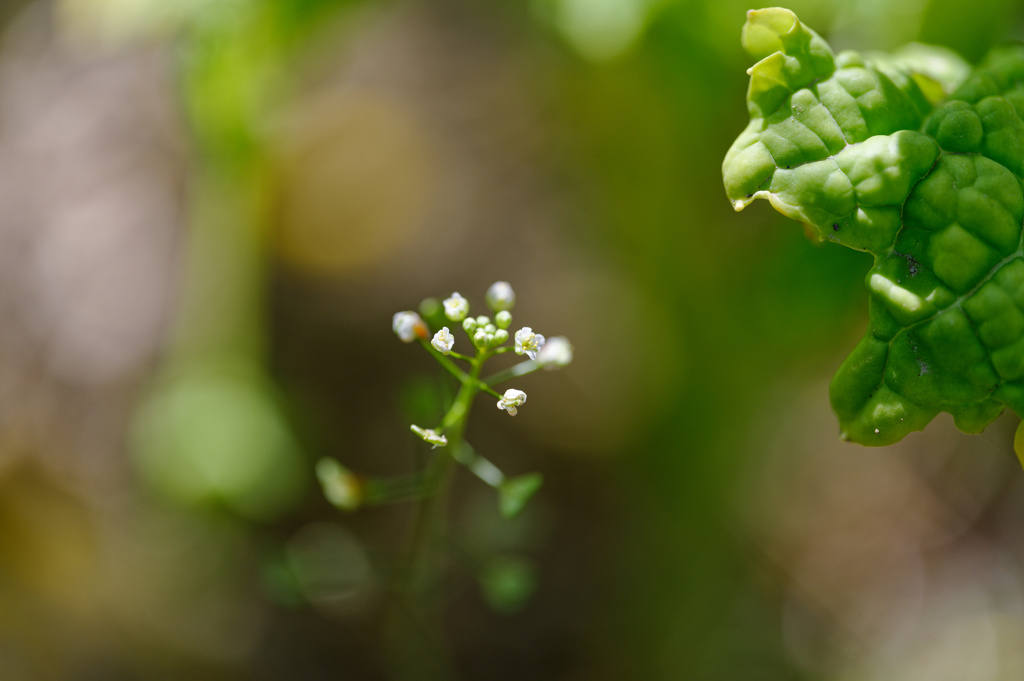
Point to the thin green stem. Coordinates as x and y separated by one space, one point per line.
514 371
489 390
380 491
455 414
478 465
447 363
431 505
417 630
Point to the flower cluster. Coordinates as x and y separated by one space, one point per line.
483 333
487 336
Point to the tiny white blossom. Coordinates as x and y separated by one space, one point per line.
456 308
443 341
341 487
528 342
408 326
430 435
500 296
511 399
556 353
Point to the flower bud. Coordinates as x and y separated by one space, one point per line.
430 435
430 308
469 324
408 326
503 319
511 399
443 341
341 487
500 336
456 308
500 296
556 353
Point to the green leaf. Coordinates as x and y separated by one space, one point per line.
917 159
508 582
513 493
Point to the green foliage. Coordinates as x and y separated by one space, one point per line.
507 583
918 160
515 492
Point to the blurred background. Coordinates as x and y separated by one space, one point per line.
212 208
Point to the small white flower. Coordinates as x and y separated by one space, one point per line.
408 326
456 308
556 353
341 487
500 296
443 341
512 399
430 435
528 342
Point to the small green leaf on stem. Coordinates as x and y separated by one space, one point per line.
513 493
